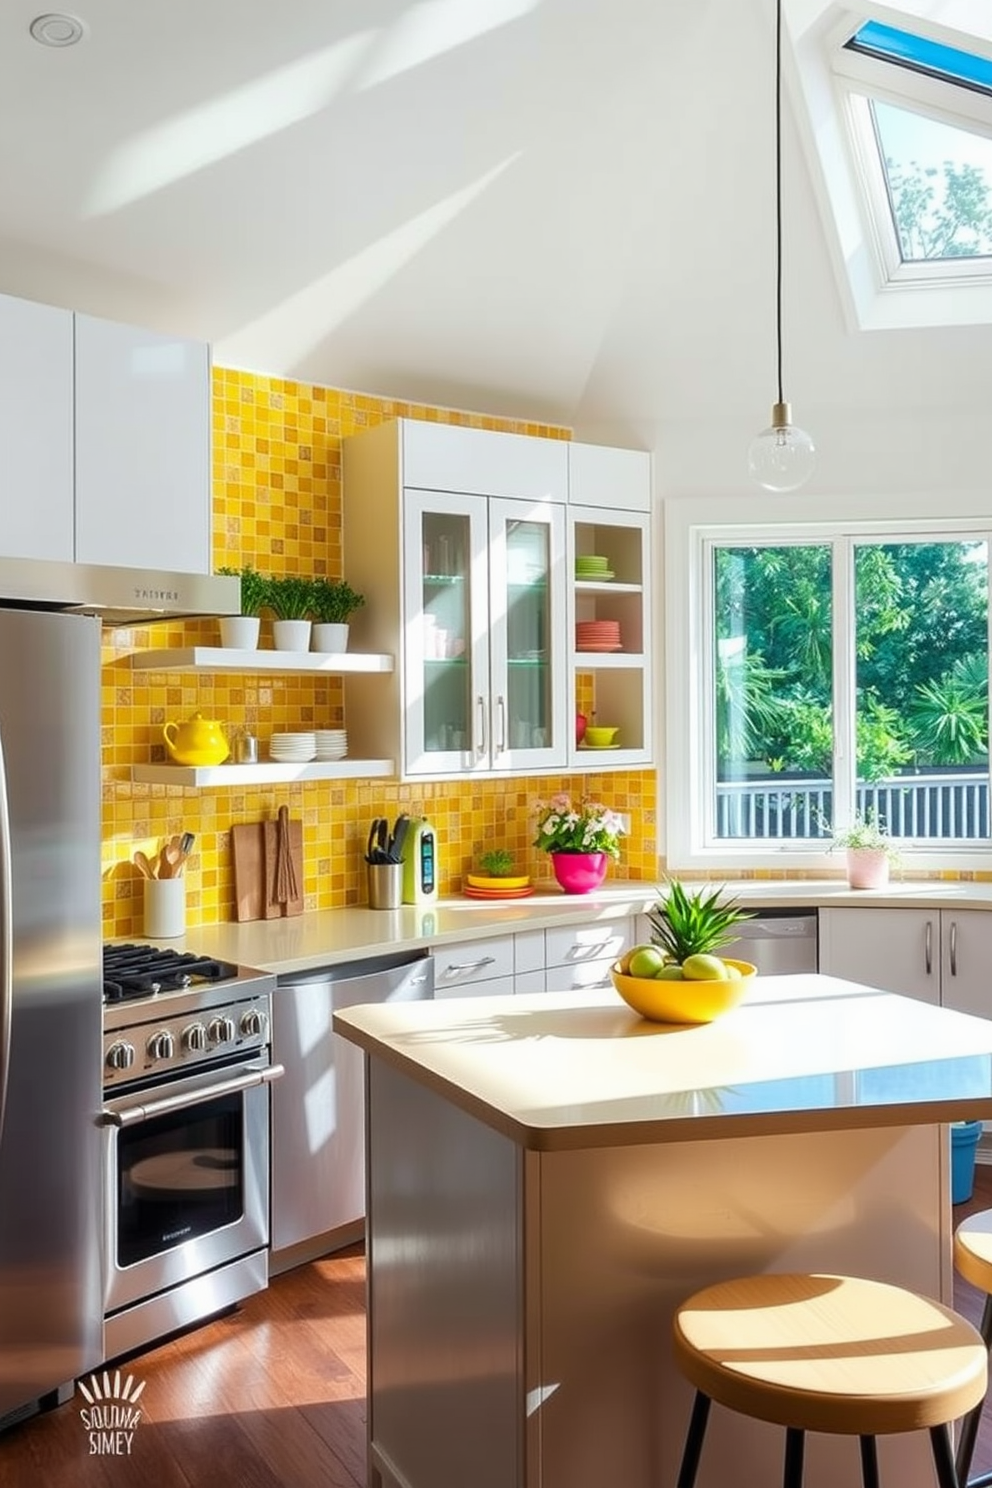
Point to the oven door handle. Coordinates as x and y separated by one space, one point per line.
252 1076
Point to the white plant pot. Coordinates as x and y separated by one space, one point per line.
291 635
239 632
867 868
329 637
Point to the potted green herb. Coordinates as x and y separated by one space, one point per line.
290 598
240 632
868 850
333 602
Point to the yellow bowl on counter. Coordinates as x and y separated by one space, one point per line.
665 1001
477 881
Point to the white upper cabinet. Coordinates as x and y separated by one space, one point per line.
474 583
446 457
611 478
36 503
142 448
104 442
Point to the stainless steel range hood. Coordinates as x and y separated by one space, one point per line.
120 596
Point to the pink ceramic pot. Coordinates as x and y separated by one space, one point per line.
580 727
579 873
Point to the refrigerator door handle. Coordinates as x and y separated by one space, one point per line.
6 940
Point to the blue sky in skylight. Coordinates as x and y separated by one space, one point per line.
907 50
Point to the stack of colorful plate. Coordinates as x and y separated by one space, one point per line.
292 749
332 744
477 887
593 568
597 635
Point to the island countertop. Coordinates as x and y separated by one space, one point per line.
559 1071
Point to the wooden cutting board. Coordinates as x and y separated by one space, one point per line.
253 847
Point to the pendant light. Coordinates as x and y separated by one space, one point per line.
782 457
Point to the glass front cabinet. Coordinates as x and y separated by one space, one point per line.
484 634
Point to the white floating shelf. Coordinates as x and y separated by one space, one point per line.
220 776
216 659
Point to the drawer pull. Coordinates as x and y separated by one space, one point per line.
455 968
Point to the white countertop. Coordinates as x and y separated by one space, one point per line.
328 937
576 1070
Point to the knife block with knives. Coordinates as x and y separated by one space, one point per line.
268 868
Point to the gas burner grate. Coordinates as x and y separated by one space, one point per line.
142 970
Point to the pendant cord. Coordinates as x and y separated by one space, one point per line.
778 192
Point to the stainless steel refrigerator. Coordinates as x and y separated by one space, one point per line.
51 1305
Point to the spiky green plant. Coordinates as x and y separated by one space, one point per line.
693 924
498 862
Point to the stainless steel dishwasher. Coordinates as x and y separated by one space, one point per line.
318 1115
778 941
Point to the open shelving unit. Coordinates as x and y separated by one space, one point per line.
218 659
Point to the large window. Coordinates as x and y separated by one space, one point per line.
849 675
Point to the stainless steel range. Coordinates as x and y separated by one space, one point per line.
186 1069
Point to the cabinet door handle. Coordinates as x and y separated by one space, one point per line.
501 725
459 968
483 743
929 948
954 948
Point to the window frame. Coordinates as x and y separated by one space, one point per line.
692 526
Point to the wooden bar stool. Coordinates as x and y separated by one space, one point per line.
973 1259
829 1353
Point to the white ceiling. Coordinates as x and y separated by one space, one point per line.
554 209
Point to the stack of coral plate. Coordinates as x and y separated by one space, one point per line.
597 635
332 744
293 749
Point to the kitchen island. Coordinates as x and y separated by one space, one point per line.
550 1176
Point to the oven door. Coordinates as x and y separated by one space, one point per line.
186 1188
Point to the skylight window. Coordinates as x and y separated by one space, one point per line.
920 54
900 117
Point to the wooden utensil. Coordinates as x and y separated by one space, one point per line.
143 865
169 859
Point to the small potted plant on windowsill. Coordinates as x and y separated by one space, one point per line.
240 632
290 598
869 850
332 603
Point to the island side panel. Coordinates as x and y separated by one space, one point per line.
627 1233
444 1260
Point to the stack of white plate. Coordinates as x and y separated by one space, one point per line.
293 749
332 744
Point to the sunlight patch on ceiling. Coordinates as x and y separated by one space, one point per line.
223 126
431 27
296 326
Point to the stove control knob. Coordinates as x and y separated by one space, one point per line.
221 1030
161 1045
253 1023
120 1056
194 1038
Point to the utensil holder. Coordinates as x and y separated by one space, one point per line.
165 908
385 885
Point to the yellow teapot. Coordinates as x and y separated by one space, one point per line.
200 741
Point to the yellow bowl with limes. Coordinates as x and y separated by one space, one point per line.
665 1001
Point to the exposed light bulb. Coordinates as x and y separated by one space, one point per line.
782 457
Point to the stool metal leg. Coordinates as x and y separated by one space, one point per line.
943 1457
869 1461
694 1440
971 1422
795 1442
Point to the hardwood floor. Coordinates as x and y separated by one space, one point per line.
270 1396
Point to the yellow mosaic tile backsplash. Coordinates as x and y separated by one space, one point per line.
277 506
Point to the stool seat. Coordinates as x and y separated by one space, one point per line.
973 1250
828 1353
